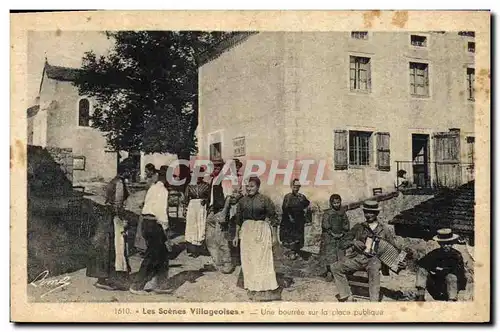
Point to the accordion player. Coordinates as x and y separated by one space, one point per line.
386 252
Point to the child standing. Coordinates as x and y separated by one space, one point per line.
335 224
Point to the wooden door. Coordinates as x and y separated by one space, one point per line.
447 159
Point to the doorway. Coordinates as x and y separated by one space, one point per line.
420 160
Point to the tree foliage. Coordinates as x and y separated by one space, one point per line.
146 89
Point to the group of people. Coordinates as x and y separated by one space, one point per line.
210 214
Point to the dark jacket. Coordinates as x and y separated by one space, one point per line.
450 261
361 231
218 199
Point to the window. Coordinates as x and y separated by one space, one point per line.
360 75
470 83
239 146
215 151
383 151
419 79
467 33
359 34
470 150
84 113
79 163
359 148
419 41
471 47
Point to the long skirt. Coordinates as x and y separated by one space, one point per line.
107 253
292 232
195 222
257 256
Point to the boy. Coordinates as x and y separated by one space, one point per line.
334 224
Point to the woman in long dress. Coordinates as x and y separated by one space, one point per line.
293 220
196 199
256 229
108 261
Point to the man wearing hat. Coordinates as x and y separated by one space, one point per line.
361 258
441 271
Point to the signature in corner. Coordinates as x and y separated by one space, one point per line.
41 281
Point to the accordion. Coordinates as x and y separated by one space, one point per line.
386 252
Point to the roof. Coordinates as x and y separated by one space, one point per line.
33 110
59 73
224 46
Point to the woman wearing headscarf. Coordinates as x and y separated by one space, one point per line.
256 229
108 261
293 220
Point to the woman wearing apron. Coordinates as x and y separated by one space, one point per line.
256 229
197 198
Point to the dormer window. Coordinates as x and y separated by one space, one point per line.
84 113
359 35
418 41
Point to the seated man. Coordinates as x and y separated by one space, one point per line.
362 258
401 181
441 271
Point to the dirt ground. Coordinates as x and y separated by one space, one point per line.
190 282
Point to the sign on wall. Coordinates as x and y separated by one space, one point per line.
79 163
239 146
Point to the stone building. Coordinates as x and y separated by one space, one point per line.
368 103
61 118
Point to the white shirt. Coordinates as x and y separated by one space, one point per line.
156 203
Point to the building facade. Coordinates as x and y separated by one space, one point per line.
61 119
367 103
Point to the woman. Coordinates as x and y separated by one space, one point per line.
256 227
154 230
108 261
293 220
196 199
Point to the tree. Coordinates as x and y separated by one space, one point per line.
146 90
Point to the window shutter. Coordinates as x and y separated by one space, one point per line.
383 152
369 74
340 149
427 80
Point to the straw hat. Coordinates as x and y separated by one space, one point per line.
371 206
445 235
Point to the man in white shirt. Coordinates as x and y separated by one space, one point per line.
154 230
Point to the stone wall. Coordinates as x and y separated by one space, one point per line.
50 170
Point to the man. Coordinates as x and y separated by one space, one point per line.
361 258
151 175
216 238
108 261
154 230
441 271
216 202
151 179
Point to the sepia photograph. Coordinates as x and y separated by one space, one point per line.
167 171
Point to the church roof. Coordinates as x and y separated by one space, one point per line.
61 73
